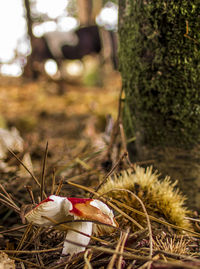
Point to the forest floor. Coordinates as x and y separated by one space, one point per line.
77 125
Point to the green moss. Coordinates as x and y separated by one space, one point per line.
160 69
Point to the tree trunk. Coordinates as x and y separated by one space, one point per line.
159 60
28 69
84 11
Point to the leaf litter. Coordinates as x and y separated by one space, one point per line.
68 151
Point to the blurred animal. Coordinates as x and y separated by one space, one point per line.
88 42
73 45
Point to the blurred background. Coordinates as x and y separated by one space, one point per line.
36 32
59 82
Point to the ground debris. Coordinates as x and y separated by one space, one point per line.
74 125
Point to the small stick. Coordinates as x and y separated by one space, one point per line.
124 238
124 145
12 204
83 164
14 229
187 28
123 137
32 175
114 256
28 229
187 32
42 187
87 258
155 219
8 204
53 180
66 227
110 172
38 256
29 189
35 235
31 251
7 194
116 124
59 187
28 263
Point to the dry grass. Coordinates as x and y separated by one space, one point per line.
74 170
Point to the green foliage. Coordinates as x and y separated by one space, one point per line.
161 70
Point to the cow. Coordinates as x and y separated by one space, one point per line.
72 45
89 42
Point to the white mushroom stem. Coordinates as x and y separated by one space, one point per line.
83 227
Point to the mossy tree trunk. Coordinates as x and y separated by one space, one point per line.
159 59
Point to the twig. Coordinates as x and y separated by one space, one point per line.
124 145
38 256
83 164
30 251
34 236
28 229
87 258
156 219
175 255
32 175
114 256
29 189
124 238
53 181
67 227
7 194
123 137
85 220
116 125
14 229
9 205
28 263
10 202
59 187
187 28
192 219
43 172
187 32
147 265
111 171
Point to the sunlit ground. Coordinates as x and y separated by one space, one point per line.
41 114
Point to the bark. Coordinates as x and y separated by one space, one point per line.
84 11
160 65
88 10
28 69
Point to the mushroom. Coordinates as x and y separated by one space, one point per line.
62 209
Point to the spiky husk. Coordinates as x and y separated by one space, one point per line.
161 198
